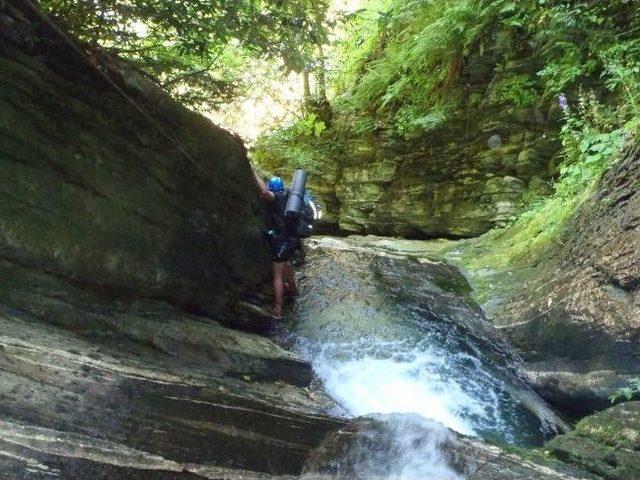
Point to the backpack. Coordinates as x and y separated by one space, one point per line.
310 213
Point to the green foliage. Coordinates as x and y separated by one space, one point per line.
590 139
622 74
631 391
308 126
402 62
409 119
594 131
570 37
387 74
304 144
358 43
565 68
195 46
595 150
362 124
515 90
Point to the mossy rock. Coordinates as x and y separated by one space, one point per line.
159 204
437 184
607 443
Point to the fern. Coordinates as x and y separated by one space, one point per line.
627 393
416 56
408 56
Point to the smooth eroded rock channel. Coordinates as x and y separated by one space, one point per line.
391 335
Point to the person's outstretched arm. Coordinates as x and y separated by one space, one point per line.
263 190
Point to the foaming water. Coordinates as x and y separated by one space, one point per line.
406 382
397 447
393 336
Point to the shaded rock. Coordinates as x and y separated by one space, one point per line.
575 387
146 387
577 318
155 204
436 186
607 443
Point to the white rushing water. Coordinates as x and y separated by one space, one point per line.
385 339
368 383
411 384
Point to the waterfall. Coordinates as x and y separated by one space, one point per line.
401 342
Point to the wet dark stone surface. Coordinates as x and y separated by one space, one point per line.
576 317
108 236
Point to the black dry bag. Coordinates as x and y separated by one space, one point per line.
295 204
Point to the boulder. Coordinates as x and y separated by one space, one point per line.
607 443
109 183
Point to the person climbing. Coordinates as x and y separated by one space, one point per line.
283 240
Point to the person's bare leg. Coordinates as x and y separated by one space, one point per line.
278 287
290 279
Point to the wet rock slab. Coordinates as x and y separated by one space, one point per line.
347 455
142 390
576 315
432 293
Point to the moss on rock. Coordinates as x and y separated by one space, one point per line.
607 443
446 183
156 204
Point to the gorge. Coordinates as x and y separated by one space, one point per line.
133 262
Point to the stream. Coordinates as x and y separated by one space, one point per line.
399 339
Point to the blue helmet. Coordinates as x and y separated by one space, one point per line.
276 184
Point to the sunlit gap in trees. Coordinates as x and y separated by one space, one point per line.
272 99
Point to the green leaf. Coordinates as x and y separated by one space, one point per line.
585 145
318 128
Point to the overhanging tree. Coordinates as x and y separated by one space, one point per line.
195 47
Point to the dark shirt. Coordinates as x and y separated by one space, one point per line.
282 225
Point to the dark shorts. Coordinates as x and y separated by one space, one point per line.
283 249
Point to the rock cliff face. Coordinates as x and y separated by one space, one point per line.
97 192
575 316
458 180
109 233
584 309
